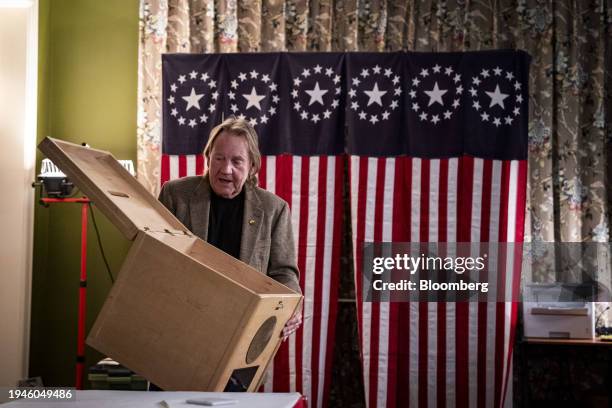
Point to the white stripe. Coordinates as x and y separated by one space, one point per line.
325 284
414 306
367 306
271 187
492 278
451 314
174 167
474 276
295 221
432 339
309 275
191 165
387 229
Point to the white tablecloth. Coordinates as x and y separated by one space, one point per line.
155 399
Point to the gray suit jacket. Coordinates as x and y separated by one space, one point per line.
267 238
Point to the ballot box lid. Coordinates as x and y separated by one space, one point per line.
112 188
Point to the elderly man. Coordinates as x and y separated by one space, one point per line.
226 208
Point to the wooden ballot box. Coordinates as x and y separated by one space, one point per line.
181 313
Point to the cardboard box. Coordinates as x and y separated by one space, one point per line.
181 313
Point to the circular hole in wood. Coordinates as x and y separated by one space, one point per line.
261 339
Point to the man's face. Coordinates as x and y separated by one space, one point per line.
229 165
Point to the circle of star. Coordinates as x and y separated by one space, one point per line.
253 97
323 88
378 84
193 98
496 105
441 100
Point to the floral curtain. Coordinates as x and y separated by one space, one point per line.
570 135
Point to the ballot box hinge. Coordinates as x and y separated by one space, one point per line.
172 232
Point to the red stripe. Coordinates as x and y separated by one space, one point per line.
501 277
262 172
182 165
165 169
361 203
442 237
485 220
521 197
284 172
199 164
464 218
335 272
302 247
423 304
375 306
318 279
399 385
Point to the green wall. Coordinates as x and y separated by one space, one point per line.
88 51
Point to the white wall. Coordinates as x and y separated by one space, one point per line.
18 47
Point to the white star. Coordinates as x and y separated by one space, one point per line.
241 116
173 87
435 95
306 73
476 81
263 119
181 120
423 116
234 84
457 78
356 81
193 100
318 69
394 104
459 90
395 80
375 95
335 103
473 91
304 115
416 82
329 72
316 94
496 122
517 85
231 95
497 98
294 93
297 106
338 90
203 118
436 69
415 107
211 108
254 74
265 78
519 98
388 72
435 119
182 79
485 73
273 87
234 107
204 77
516 111
447 114
476 105
272 110
510 76
326 114
397 91
212 84
297 82
253 121
362 115
315 118
192 123
424 73
376 69
385 115
455 103
171 100
275 99
509 120
497 71
253 99
412 93
354 106
242 76
336 79
484 116
449 71
364 73
174 112
373 119
193 75
215 95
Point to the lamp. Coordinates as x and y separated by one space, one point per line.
54 182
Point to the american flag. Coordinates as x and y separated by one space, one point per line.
436 145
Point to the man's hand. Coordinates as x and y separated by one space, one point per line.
293 324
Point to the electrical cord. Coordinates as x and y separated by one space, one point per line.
93 218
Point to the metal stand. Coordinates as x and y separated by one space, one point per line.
80 358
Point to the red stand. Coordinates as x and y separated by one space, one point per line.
80 359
